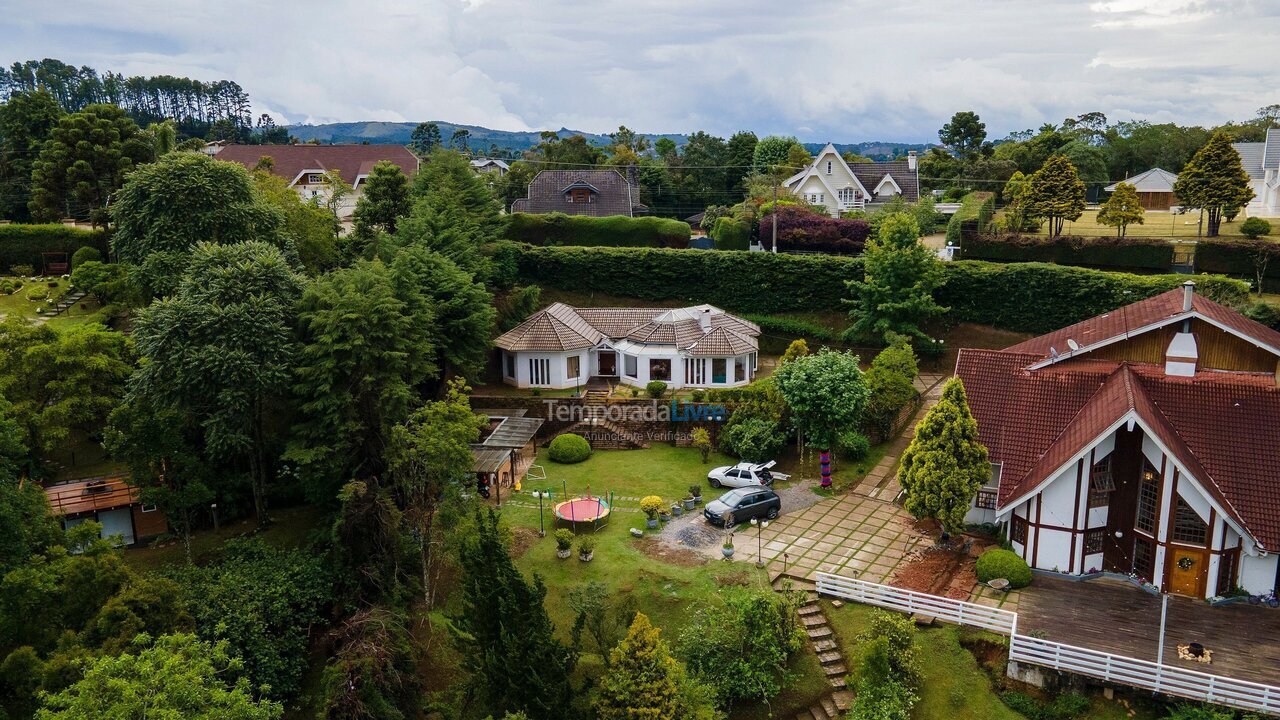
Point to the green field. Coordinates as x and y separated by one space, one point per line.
1156 223
19 303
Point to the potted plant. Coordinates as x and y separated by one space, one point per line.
727 548
688 501
695 491
586 547
676 509
664 515
650 505
564 543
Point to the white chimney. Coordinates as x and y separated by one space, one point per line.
704 320
1188 289
1182 356
911 159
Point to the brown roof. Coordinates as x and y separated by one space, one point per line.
81 496
870 175
351 161
559 327
612 194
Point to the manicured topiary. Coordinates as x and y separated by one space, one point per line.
569 448
1000 563
1254 228
85 254
651 505
655 388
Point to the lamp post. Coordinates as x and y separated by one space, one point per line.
760 526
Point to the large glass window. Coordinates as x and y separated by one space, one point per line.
539 371
1143 558
660 369
1187 525
629 365
1148 499
509 367
573 367
718 368
1093 540
740 368
1101 483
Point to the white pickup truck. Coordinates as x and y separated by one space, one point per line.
745 474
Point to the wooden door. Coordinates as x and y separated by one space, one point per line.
1187 567
608 362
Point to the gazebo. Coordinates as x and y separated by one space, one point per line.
1155 188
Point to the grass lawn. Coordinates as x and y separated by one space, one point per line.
289 529
1156 223
19 305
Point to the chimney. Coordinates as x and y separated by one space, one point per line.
911 160
1182 356
1188 289
704 320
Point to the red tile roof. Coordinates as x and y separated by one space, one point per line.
350 161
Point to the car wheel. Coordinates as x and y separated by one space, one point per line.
713 482
772 514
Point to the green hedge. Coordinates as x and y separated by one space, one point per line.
1025 297
792 327
999 563
1234 257
731 234
23 244
616 230
1105 252
976 206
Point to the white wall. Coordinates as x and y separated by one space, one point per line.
558 370
1258 574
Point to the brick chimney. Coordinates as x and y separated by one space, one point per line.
911 160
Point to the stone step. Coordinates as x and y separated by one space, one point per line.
829 706
813 619
830 656
822 646
923 620
819 632
819 712
843 700
838 683
836 668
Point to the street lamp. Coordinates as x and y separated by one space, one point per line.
760 526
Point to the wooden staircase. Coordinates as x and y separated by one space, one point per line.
814 621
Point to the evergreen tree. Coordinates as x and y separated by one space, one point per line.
740 154
454 213
945 465
643 679
26 120
1214 181
385 199
461 309
1122 209
896 292
504 627
1056 193
425 138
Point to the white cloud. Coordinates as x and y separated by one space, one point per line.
824 69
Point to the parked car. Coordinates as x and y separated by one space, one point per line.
745 474
742 504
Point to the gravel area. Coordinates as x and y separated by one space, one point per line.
692 531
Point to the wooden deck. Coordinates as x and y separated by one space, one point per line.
1116 617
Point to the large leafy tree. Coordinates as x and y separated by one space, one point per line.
26 120
740 154
964 134
896 292
461 309
168 207
309 225
454 213
365 349
385 199
771 153
827 395
1056 194
27 526
174 676
504 625
945 465
86 159
1122 209
221 351
372 672
1214 181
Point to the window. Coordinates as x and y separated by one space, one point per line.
1143 557
660 369
1227 571
1148 499
539 371
315 179
847 196
1018 530
694 372
718 369
629 365
1093 540
1187 525
740 368
509 366
148 508
996 470
985 499
1101 483
573 367
828 167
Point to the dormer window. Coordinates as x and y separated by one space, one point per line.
315 179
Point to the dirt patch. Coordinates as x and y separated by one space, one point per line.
522 538
681 557
740 578
992 656
938 571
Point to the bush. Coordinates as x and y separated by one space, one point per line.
801 229
697 395
586 544
853 445
651 505
1265 313
85 254
37 293
976 208
21 246
1238 258
569 448
655 388
22 270
564 539
615 230
792 327
1001 563
1107 252
1254 228
731 234
754 438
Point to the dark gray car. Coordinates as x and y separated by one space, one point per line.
740 505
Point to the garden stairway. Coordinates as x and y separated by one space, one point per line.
66 303
826 647
603 433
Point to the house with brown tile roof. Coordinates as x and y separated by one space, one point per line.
304 165
563 347
840 186
593 192
1144 441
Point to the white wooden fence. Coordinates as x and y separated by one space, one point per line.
1157 677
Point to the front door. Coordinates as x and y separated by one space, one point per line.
607 360
1187 568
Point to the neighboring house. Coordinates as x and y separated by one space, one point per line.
840 186
1262 161
1143 441
562 347
490 165
303 166
506 450
1155 188
598 193
110 501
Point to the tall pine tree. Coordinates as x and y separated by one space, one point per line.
643 682
1214 181
944 465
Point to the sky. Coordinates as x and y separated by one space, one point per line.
837 70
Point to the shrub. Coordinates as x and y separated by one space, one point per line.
37 293
651 505
1021 703
976 208
569 448
790 326
697 395
615 230
655 388
801 229
586 544
1254 228
853 445
731 234
85 254
751 439
22 270
1001 563
1265 313
21 246
1128 252
755 633
564 539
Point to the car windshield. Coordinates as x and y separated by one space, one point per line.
733 497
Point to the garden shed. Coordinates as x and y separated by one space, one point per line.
1155 188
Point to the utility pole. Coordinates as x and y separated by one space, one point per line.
775 219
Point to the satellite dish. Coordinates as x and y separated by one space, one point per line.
1053 351
1073 345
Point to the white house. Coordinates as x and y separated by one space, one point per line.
490 165
1143 441
840 186
1262 161
563 347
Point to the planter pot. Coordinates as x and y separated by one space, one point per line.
727 552
1273 602
564 554
697 499
688 504
587 557
652 523
665 517
677 510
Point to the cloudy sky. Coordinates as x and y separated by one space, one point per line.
841 70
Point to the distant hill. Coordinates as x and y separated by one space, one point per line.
515 142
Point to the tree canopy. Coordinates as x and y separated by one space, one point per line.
826 394
1122 209
945 465
1055 193
1214 181
895 295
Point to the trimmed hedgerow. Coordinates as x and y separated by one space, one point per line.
731 234
803 229
569 448
23 244
1106 252
976 208
1238 257
616 230
792 327
1001 563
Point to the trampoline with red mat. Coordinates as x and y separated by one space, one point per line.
593 511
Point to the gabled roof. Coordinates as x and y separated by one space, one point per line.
559 327
722 341
1253 157
892 183
1153 180
1271 149
580 184
554 328
479 163
867 175
616 195
291 161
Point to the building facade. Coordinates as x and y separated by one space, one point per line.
842 187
